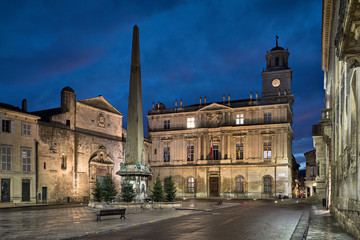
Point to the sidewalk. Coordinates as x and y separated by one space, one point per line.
322 225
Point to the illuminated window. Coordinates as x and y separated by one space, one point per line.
26 129
26 159
239 151
166 154
6 158
191 185
267 117
239 119
190 153
167 124
267 185
190 122
240 184
267 150
63 162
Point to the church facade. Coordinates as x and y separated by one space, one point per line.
79 143
233 148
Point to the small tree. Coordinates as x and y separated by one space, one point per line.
170 189
157 192
109 189
127 191
97 192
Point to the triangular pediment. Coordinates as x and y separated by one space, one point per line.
214 107
101 103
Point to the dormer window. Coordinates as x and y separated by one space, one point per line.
190 122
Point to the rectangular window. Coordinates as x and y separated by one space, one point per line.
267 117
216 152
26 129
267 150
190 122
190 153
166 154
239 151
26 159
239 119
63 162
167 124
6 125
312 171
6 158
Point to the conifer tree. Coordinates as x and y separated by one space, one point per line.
127 191
109 189
170 189
157 192
97 192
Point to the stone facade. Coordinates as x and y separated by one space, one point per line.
18 142
78 143
251 141
311 174
336 137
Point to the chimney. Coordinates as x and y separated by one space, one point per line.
205 100
229 99
250 96
200 101
224 99
256 95
24 105
153 106
180 103
176 103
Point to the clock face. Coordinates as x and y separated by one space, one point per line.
276 82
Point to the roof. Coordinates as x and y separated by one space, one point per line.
263 101
46 114
101 103
67 89
276 48
13 108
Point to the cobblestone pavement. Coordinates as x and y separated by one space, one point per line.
62 223
322 225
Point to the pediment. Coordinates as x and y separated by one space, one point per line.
100 156
214 107
100 103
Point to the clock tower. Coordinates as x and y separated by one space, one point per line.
277 76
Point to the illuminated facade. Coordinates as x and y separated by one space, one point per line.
238 149
18 142
336 137
78 143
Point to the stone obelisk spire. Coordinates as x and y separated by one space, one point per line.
134 147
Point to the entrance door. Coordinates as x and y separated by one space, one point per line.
214 186
44 194
5 190
25 190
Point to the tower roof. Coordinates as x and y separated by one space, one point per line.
277 45
67 89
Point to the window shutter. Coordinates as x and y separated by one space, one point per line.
12 126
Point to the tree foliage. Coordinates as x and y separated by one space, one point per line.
109 189
170 189
127 191
157 194
97 192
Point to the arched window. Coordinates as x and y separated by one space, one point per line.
276 61
240 184
267 184
191 185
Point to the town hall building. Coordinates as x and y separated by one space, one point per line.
234 148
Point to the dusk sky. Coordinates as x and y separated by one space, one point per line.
188 49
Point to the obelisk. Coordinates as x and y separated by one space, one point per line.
134 147
134 167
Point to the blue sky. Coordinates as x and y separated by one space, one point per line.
188 49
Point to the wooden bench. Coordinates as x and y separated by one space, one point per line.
107 212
